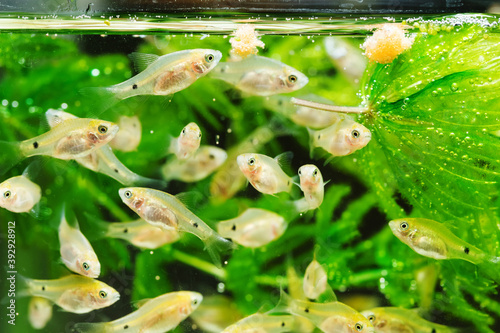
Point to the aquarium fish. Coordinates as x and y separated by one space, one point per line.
39 312
160 75
229 179
76 252
19 194
71 139
216 313
199 166
315 280
141 234
303 115
187 143
400 320
156 315
340 139
434 240
263 323
255 227
329 317
311 183
260 76
166 211
73 293
129 136
265 173
346 57
103 159
296 290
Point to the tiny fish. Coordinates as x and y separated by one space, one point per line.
260 76
303 115
157 315
19 194
311 183
142 234
262 323
295 287
187 143
254 228
346 57
400 320
330 317
199 166
76 252
229 179
160 75
315 280
340 139
432 239
39 312
166 211
73 293
103 159
264 173
73 138
129 136
216 313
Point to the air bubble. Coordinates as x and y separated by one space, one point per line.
454 86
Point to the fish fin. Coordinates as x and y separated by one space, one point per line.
33 169
92 328
301 205
284 160
138 304
324 183
215 244
327 296
283 304
23 286
102 98
311 141
491 268
10 156
328 160
189 199
141 61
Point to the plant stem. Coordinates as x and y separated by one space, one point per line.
199 264
362 277
274 281
330 108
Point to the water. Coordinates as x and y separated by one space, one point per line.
46 60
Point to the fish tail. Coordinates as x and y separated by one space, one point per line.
24 285
149 182
215 244
101 97
92 327
11 154
311 141
491 268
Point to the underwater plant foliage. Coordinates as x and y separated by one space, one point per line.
431 112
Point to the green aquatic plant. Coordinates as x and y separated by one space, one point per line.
431 112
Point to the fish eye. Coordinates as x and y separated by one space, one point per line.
355 134
195 302
103 294
199 135
7 194
404 225
209 57
211 156
128 194
371 318
300 172
315 172
358 327
86 266
251 161
292 78
183 131
102 129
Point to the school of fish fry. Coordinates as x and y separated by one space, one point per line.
309 303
